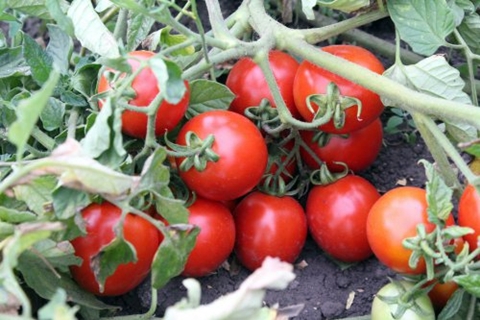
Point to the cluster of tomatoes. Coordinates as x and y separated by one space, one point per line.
347 218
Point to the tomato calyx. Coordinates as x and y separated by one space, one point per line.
331 106
324 176
266 117
197 152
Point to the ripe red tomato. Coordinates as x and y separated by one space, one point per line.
311 79
337 215
143 236
267 225
216 238
358 150
469 215
242 150
146 89
394 217
247 82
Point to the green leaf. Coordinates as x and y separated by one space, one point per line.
173 210
470 31
172 254
169 78
34 8
60 48
117 252
16 216
138 30
28 112
58 14
76 170
67 202
37 194
469 282
38 59
424 25
439 195
104 139
432 75
167 39
52 115
90 30
474 150
12 63
208 95
45 283
84 78
344 5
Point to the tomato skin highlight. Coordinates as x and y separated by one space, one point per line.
394 217
145 85
242 150
337 215
267 225
311 79
358 150
216 238
469 215
100 220
248 83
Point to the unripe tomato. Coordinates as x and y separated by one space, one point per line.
311 79
216 238
248 83
100 221
146 89
383 311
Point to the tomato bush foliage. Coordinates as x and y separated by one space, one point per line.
125 117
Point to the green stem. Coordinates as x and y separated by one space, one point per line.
72 123
202 36
471 71
472 307
217 22
436 149
328 27
44 139
449 149
120 32
367 40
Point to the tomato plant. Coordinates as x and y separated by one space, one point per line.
101 221
311 79
247 82
469 215
146 88
393 218
381 310
242 152
337 215
268 225
216 238
358 149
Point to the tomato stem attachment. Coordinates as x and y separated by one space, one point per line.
197 152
